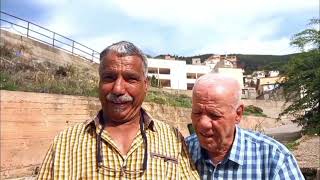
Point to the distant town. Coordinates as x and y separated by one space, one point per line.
173 73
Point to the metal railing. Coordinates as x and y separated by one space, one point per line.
41 34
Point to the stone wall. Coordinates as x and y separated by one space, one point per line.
29 122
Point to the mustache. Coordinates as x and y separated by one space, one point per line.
119 99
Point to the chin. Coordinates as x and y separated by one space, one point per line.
115 114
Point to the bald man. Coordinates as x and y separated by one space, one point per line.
222 150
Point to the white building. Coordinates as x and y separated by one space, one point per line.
273 73
268 84
258 74
236 73
175 74
193 72
171 73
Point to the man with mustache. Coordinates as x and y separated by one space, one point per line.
122 141
222 150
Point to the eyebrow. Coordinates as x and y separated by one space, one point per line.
128 73
131 73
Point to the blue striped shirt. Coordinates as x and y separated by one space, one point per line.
252 156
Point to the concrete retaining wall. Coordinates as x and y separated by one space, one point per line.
29 122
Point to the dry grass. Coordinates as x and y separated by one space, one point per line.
19 73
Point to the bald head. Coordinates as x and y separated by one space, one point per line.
218 86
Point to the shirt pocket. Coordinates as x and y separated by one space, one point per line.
164 166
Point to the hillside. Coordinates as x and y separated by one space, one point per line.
249 62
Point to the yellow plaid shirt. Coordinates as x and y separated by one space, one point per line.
73 154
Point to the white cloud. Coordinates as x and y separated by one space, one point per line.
209 12
51 2
100 42
250 46
61 25
208 26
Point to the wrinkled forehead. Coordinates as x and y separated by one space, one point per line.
113 53
114 56
206 90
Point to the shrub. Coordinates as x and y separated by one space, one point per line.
254 110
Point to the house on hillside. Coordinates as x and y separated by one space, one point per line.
268 84
168 57
221 61
196 61
273 73
232 59
258 74
248 81
249 93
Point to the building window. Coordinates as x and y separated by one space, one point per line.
164 71
153 70
191 76
165 83
190 86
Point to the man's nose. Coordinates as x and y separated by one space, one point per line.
205 121
119 86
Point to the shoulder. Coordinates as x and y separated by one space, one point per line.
276 156
71 133
164 128
265 142
166 133
193 143
192 140
194 147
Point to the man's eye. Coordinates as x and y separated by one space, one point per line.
132 79
108 78
214 116
196 113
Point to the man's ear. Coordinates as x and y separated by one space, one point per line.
239 113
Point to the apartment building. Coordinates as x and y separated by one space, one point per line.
176 74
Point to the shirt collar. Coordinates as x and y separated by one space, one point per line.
95 122
237 151
196 151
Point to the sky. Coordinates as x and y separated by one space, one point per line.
177 27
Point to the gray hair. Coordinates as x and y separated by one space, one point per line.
217 79
125 48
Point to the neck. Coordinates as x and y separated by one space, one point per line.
133 122
218 156
221 152
123 133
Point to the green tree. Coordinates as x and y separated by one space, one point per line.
302 80
154 81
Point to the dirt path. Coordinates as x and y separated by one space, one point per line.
308 152
285 133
